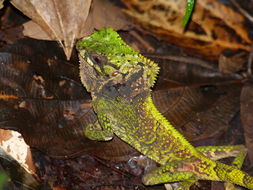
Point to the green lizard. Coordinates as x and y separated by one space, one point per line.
119 80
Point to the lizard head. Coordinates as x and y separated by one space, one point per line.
104 57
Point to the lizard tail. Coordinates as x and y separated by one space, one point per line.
234 175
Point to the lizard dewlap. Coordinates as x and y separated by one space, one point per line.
120 80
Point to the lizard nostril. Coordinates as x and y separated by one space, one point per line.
115 73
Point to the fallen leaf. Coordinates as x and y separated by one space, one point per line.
214 26
13 144
67 21
18 176
247 117
232 62
61 20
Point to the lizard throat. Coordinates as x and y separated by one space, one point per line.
131 88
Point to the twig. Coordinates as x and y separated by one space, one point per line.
250 60
244 12
190 60
143 42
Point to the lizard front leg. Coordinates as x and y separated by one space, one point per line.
100 130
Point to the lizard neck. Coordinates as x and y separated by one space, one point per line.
138 122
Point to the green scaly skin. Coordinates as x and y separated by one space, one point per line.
120 82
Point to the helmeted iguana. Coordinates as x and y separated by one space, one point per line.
120 80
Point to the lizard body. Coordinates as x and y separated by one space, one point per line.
120 82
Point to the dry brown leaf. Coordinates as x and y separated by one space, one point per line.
231 62
13 143
105 14
214 26
247 117
74 26
61 20
197 114
33 30
16 160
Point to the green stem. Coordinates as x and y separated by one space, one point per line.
188 13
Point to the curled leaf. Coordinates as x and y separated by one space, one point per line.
61 20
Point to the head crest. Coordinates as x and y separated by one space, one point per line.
105 41
108 43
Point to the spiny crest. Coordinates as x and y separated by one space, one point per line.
105 41
126 62
152 69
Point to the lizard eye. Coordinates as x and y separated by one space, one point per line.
97 59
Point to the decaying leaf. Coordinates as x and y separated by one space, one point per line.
178 71
1 4
188 95
87 172
104 14
214 26
66 21
247 116
232 62
61 20
13 143
18 176
197 115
